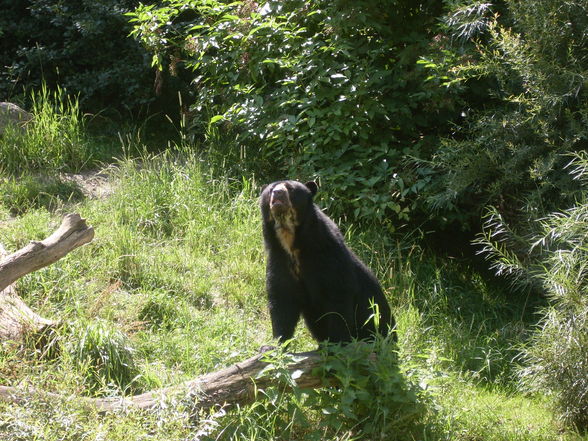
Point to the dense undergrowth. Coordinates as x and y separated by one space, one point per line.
173 286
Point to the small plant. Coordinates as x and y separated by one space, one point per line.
104 356
376 400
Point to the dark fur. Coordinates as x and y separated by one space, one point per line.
319 277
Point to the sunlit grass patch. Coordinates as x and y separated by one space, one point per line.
55 139
467 412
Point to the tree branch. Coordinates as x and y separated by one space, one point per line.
72 233
16 318
233 385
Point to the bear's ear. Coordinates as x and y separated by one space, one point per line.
311 185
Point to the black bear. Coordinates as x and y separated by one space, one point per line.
311 272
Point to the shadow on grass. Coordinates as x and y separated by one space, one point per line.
19 194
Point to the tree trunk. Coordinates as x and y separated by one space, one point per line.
230 386
16 318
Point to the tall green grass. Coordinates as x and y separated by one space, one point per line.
55 139
35 158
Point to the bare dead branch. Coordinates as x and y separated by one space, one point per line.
72 233
233 385
16 318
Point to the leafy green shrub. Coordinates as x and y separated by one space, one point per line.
373 399
82 46
326 89
557 356
519 68
376 399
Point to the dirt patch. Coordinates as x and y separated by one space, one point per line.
95 184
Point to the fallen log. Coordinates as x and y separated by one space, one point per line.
236 384
72 233
16 318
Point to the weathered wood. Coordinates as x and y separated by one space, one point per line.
233 385
16 318
72 233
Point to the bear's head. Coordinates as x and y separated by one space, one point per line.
287 202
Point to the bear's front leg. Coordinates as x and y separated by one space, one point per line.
284 302
285 313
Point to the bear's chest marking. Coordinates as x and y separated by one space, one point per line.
285 228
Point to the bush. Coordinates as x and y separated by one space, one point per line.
558 361
375 399
519 68
314 89
557 355
82 46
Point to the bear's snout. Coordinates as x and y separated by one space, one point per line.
279 201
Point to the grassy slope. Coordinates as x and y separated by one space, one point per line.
173 286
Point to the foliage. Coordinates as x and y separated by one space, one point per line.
315 89
519 68
556 357
376 399
81 46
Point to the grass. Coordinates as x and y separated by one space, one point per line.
173 287
54 139
469 412
37 161
25 192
